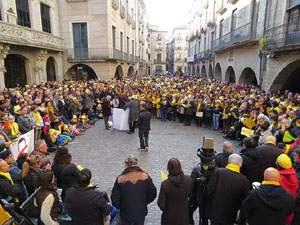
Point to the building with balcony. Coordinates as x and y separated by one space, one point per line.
201 28
178 50
158 50
30 42
101 38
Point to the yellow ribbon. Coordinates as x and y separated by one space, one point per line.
271 182
233 167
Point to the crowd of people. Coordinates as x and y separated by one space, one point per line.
262 182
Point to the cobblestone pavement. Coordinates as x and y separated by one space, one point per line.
104 152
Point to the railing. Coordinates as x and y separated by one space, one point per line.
240 34
128 18
283 36
99 54
115 3
178 59
26 36
122 11
190 59
178 48
158 49
159 62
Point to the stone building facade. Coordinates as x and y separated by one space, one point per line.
30 42
158 50
103 39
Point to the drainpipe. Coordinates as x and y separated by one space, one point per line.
262 55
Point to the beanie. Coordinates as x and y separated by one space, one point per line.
284 161
5 154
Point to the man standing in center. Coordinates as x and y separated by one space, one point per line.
144 127
133 105
132 192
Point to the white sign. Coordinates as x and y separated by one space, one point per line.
23 144
120 119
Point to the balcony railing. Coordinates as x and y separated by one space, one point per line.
98 54
286 35
158 49
178 59
190 59
236 36
15 34
122 11
115 4
160 62
178 48
128 20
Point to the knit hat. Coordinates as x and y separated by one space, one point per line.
5 154
284 161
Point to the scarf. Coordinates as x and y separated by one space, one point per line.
271 182
37 117
233 167
7 175
13 128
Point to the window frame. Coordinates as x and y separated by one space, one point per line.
23 13
45 18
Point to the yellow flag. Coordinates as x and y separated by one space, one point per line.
163 175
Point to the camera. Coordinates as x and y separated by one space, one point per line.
206 153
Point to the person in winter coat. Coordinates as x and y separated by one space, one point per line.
8 190
11 128
288 178
85 204
296 218
24 121
268 204
37 121
251 161
40 149
106 107
221 159
15 173
133 105
174 195
144 127
47 199
50 139
225 192
132 192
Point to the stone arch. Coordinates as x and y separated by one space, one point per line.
288 78
210 71
230 75
130 72
198 71
51 66
218 72
248 77
17 70
203 71
81 72
119 72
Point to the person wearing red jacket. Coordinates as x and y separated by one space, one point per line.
288 178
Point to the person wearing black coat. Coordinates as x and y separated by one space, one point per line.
106 107
52 147
132 192
221 159
144 126
269 153
68 177
268 204
24 122
174 194
251 161
225 192
85 204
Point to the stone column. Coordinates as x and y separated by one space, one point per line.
39 68
4 49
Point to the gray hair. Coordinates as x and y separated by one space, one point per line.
228 147
271 138
38 144
131 160
261 116
235 159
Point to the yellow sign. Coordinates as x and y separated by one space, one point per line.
163 175
248 122
247 132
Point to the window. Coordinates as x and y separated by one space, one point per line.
0 14
45 16
113 37
23 13
121 41
158 57
159 37
128 45
132 47
294 3
80 40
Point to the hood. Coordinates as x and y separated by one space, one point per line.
297 167
176 180
270 195
251 153
130 169
289 180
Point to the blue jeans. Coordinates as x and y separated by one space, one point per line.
144 138
163 114
216 121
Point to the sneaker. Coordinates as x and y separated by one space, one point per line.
141 149
147 148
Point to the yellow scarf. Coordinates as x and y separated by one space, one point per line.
233 167
199 105
270 142
271 182
14 128
37 116
7 175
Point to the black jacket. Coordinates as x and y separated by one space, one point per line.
68 177
268 204
132 192
224 194
8 189
251 167
297 169
24 124
86 205
269 154
144 120
221 159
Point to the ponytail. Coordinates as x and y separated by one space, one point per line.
25 168
30 162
